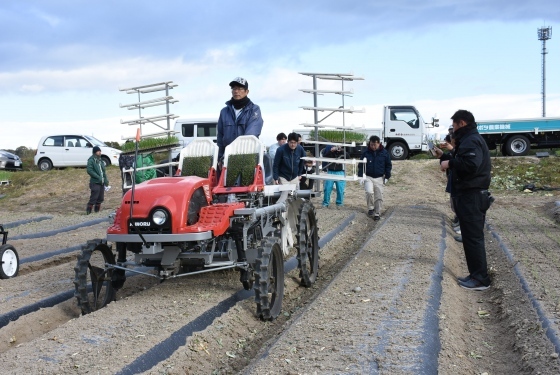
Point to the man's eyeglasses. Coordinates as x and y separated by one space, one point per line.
237 88
293 143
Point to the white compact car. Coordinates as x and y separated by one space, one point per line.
56 151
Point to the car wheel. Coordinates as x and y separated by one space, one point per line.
45 165
106 161
398 151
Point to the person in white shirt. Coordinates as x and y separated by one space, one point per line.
282 139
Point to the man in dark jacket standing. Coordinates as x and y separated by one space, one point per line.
98 180
470 178
377 172
240 116
288 163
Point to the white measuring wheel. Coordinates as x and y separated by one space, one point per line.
10 262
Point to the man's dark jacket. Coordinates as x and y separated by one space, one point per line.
378 163
288 163
249 122
334 153
470 161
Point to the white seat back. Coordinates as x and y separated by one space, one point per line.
245 144
200 148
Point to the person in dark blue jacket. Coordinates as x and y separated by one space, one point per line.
288 162
377 173
240 116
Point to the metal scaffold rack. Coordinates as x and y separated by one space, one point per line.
317 124
152 119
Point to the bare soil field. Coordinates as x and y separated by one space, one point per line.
386 300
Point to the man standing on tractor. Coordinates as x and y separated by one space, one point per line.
240 116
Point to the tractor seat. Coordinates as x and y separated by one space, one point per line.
243 167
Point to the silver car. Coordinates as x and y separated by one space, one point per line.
9 161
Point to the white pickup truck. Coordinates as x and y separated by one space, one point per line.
404 132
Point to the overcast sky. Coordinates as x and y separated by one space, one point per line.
62 62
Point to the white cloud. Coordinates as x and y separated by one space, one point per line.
106 76
32 88
53 21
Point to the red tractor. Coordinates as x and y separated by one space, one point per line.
198 222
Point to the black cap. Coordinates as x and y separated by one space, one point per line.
241 82
95 149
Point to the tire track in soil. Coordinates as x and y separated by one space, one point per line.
237 337
546 321
536 253
384 329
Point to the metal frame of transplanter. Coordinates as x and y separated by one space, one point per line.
317 124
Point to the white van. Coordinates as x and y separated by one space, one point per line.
70 150
189 129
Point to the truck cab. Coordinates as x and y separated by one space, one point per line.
405 132
188 129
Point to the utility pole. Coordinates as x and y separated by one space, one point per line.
544 33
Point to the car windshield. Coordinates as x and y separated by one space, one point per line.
94 141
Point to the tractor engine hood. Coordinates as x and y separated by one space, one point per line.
171 193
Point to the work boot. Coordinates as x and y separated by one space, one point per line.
97 207
88 209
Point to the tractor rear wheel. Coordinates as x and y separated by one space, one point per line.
307 245
269 279
93 282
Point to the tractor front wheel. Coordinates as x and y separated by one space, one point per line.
269 279
93 282
307 245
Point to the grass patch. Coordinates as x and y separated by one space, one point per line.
421 156
513 173
5 176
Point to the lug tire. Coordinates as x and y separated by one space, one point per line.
269 279
94 280
307 245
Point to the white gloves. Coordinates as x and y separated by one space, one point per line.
362 181
385 181
107 188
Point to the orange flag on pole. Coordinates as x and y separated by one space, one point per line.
138 135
